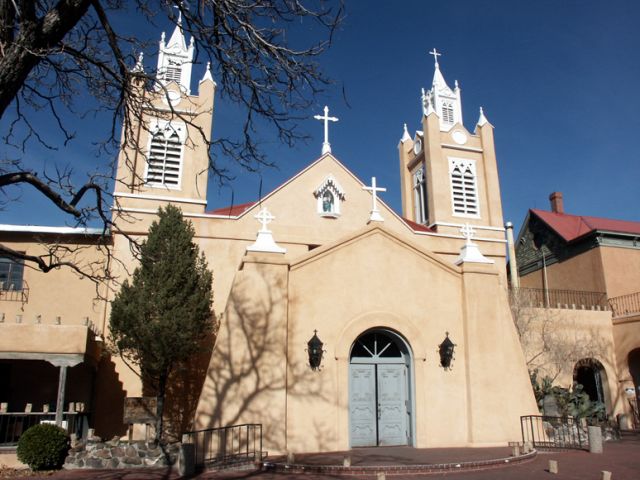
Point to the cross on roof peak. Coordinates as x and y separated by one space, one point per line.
326 146
374 189
435 54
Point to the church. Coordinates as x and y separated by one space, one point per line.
342 323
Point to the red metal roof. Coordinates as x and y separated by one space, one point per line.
232 210
416 227
571 227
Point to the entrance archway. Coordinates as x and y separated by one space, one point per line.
380 396
590 373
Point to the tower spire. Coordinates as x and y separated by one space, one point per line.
442 99
175 58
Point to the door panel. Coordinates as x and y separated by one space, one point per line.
392 408
362 405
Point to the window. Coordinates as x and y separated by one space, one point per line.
174 72
329 195
164 163
464 190
420 201
11 274
447 113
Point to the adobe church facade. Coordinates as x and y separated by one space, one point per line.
323 255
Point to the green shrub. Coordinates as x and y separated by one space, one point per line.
43 447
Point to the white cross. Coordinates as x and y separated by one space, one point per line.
326 146
265 218
435 54
375 213
468 232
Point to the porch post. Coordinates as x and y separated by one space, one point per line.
62 384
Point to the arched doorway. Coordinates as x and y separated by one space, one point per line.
633 360
590 373
380 398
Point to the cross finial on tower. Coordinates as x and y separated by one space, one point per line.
468 232
265 218
326 146
435 54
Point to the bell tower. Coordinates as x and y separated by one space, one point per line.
449 176
164 153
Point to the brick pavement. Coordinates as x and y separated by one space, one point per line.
621 458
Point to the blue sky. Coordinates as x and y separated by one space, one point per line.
557 79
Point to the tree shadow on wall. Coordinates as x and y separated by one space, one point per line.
183 391
109 400
250 370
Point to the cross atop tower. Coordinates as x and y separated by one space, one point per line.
326 146
435 54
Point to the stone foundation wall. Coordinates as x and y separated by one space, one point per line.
116 453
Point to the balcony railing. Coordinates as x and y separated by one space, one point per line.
14 424
625 304
14 293
553 298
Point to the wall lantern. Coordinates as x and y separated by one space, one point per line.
446 349
314 349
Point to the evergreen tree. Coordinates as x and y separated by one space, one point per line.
162 316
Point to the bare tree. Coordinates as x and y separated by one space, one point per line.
553 340
53 52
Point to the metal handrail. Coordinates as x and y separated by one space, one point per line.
625 304
217 447
550 433
556 298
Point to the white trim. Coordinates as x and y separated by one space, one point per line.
460 225
462 147
43 229
184 214
161 197
444 235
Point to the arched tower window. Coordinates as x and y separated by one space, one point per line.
164 162
447 113
421 210
464 188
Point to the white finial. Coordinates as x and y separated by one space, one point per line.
469 252
455 83
326 146
162 37
265 218
405 134
482 120
139 67
264 241
468 232
207 74
375 213
435 54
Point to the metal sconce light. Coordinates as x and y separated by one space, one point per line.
446 349
315 351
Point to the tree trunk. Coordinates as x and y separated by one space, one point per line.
162 386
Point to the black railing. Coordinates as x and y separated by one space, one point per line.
12 292
554 298
625 304
219 447
13 424
553 433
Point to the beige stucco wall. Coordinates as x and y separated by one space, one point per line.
372 279
554 340
582 272
621 268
